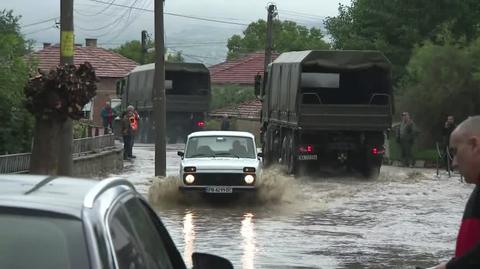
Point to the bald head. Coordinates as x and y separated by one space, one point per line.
465 146
470 126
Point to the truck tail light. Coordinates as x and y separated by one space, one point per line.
377 151
306 149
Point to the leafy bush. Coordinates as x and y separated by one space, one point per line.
227 95
442 80
17 123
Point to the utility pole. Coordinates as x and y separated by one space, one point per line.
159 93
268 41
144 46
67 50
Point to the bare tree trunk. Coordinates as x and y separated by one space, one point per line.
52 147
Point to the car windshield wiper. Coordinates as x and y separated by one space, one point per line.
202 155
227 154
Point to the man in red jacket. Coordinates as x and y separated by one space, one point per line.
465 144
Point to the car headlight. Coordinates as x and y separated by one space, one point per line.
190 179
249 179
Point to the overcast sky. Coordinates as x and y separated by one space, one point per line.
113 25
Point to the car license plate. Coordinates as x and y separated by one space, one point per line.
307 157
219 189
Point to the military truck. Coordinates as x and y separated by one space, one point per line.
326 109
188 95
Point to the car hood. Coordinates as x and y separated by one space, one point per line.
217 163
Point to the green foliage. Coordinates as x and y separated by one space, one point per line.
17 123
175 57
224 96
441 80
395 27
287 36
133 51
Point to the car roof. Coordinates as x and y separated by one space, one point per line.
62 195
221 133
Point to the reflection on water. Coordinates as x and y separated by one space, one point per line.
248 244
188 237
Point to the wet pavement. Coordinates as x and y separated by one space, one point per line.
405 218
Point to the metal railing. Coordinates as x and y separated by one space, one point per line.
14 163
20 163
92 144
445 156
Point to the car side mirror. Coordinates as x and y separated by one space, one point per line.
180 153
260 154
209 261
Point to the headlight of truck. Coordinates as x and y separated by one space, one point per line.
249 179
189 179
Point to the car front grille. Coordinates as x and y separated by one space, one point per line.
219 179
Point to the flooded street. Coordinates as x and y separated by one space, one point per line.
406 218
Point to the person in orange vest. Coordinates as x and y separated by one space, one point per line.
134 118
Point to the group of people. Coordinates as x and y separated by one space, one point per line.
407 133
128 123
462 143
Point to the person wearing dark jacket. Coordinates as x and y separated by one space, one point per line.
465 144
127 135
448 128
225 126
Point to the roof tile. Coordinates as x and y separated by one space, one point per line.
106 63
240 71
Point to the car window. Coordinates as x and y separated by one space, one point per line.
154 247
42 242
218 146
128 251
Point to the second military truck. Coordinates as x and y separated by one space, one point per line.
326 108
187 92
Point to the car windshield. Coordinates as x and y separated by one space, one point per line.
220 146
32 241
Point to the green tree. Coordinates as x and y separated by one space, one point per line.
176 57
133 51
17 123
397 26
441 80
287 36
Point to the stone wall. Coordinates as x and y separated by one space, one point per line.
98 164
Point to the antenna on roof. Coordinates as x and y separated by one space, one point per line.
40 184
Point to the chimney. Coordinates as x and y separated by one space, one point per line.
90 42
46 45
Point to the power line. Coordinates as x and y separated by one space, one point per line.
39 22
301 14
40 30
175 14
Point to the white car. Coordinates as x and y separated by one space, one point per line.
220 162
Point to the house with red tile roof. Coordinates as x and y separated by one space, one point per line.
242 72
109 68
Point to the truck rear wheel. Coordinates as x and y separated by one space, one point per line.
266 148
371 169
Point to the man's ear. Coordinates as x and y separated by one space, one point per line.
474 142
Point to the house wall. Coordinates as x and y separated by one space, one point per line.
106 89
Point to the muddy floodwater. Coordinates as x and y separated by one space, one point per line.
405 218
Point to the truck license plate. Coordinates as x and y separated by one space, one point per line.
219 189
307 157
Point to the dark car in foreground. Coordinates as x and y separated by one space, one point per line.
60 222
